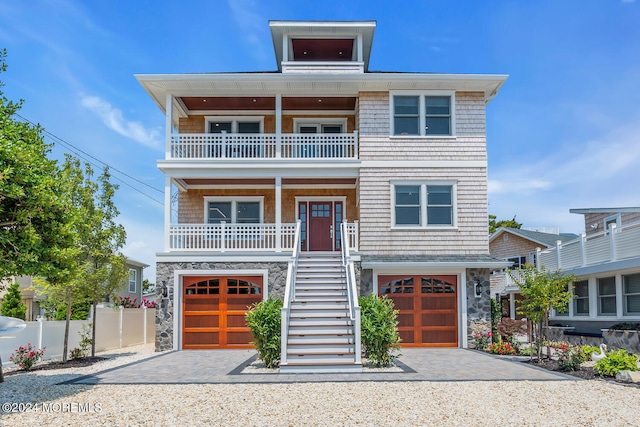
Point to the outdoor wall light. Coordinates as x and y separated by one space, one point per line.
478 288
165 291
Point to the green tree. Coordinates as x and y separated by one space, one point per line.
147 286
543 291
102 269
494 225
34 218
12 305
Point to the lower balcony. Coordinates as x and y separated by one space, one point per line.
225 237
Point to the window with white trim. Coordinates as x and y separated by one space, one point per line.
607 296
132 281
241 210
231 124
429 114
631 294
613 219
518 261
581 298
423 204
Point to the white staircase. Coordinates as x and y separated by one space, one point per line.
320 331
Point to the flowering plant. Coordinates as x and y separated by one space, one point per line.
149 304
503 347
481 341
569 357
26 356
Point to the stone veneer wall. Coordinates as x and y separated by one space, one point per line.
277 276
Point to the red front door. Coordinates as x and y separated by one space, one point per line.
320 226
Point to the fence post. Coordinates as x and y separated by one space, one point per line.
121 317
40 327
144 323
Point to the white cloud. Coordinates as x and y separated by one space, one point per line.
113 118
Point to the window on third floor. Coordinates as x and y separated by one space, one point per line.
429 115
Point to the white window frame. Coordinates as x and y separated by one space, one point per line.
520 263
625 294
423 205
234 121
576 298
234 201
319 122
422 112
617 218
134 282
600 296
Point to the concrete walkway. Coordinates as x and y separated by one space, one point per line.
226 366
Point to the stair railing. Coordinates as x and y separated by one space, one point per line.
289 295
352 293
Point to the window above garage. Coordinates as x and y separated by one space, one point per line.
423 205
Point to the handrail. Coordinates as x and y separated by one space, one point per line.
289 294
352 293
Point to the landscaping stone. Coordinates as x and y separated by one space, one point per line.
628 376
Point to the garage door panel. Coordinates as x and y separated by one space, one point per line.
438 319
238 338
201 321
201 303
440 337
236 320
237 303
406 319
402 303
406 335
201 338
438 302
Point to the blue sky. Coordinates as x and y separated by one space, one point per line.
564 131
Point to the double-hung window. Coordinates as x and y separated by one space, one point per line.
631 290
607 296
240 124
581 298
234 211
430 114
132 281
423 204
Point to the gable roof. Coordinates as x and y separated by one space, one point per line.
546 239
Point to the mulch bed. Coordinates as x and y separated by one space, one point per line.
585 372
72 363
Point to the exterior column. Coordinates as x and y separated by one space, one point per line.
167 212
278 202
512 305
169 124
278 126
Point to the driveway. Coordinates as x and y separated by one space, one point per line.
226 367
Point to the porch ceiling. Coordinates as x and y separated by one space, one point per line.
247 182
249 103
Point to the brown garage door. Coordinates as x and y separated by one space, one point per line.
213 311
428 308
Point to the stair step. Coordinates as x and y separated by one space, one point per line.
311 330
328 314
319 305
320 322
328 286
328 359
322 299
310 349
321 340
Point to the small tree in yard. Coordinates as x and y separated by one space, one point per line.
12 305
379 329
543 291
264 321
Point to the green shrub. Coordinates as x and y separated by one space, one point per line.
482 340
570 358
626 326
501 348
588 350
12 305
379 329
79 310
84 346
263 319
616 361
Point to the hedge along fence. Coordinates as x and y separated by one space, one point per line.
115 328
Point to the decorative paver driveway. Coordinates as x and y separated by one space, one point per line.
225 366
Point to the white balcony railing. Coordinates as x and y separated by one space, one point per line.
263 146
225 237
614 244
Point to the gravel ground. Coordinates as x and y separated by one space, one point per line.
511 403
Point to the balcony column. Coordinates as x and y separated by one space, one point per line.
278 126
583 253
558 247
612 241
169 124
167 213
278 202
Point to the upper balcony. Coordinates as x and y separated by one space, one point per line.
612 245
263 146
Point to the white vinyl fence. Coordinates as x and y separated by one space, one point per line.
115 328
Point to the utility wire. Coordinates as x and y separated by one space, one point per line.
77 150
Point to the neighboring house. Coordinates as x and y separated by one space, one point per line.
606 260
133 285
518 247
326 155
28 297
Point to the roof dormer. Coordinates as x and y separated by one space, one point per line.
322 46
